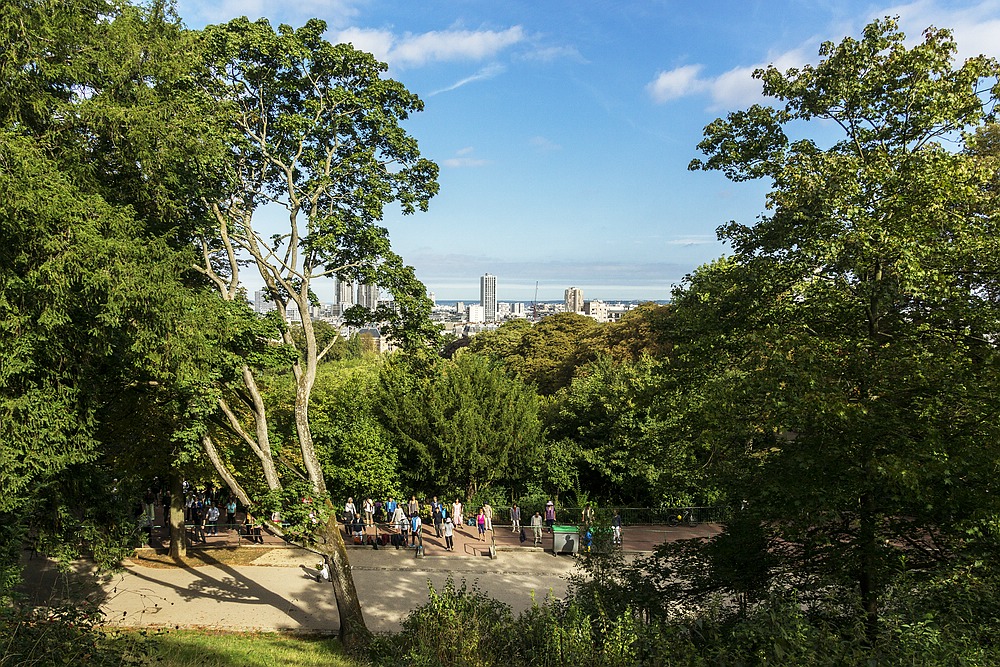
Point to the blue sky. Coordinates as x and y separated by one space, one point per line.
564 128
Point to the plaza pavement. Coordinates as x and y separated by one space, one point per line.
279 592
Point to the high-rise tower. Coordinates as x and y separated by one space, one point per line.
574 300
368 296
488 296
345 293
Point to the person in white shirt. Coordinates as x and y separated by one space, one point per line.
449 532
536 528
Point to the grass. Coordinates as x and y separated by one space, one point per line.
190 648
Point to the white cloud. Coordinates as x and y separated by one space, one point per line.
733 88
678 82
464 159
414 50
545 145
976 27
693 240
376 42
487 72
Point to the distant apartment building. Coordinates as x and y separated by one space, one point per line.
517 310
574 300
345 294
476 314
488 297
368 296
596 309
262 302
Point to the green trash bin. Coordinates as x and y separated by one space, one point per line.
565 539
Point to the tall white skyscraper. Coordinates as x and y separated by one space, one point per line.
574 300
262 302
368 296
345 292
488 297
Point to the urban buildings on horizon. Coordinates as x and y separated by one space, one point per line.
456 317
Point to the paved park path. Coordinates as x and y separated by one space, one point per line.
279 592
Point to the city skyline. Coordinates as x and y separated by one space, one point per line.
564 130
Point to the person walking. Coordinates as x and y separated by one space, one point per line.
456 513
231 513
368 507
437 515
488 511
402 525
415 528
616 527
350 511
212 519
536 528
449 532
481 524
515 518
550 515
413 507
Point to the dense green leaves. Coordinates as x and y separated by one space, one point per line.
461 425
847 345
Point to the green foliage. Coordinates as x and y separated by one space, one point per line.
66 635
839 364
461 425
615 419
357 455
545 354
459 626
96 318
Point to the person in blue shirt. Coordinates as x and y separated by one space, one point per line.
415 524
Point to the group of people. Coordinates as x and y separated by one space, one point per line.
404 526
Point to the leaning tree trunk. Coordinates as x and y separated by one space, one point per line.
353 632
175 518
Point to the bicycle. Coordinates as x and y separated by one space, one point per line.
686 517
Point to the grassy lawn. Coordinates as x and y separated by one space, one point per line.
190 648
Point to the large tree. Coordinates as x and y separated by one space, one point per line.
315 130
460 425
98 123
852 335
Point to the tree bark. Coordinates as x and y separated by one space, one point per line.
353 632
175 518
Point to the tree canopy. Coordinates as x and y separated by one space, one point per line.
853 331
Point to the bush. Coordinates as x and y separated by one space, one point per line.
459 626
67 635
